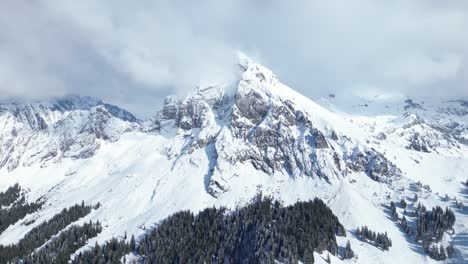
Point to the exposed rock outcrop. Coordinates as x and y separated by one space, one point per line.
251 122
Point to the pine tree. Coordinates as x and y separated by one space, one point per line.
442 255
450 251
404 225
348 251
308 256
434 252
132 243
395 216
403 203
393 211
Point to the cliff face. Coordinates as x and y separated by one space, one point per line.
261 122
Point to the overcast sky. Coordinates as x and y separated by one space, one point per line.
134 53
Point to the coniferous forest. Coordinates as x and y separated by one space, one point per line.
10 195
59 249
261 232
429 229
44 231
13 206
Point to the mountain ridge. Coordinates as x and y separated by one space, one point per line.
221 146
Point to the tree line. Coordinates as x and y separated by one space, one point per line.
60 248
261 232
13 207
42 233
10 195
113 251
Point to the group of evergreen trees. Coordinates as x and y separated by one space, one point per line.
430 227
377 239
13 207
113 251
42 233
439 252
60 248
10 195
261 232
420 186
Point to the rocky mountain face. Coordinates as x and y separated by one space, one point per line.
253 122
428 126
433 127
69 127
424 124
249 121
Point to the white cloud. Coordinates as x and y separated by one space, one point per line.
419 69
136 52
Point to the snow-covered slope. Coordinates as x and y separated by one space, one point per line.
220 146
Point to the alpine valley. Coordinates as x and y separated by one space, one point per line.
78 176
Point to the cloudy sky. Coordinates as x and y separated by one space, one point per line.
134 53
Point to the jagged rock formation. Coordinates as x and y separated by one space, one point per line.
374 164
431 128
65 128
252 122
427 126
255 120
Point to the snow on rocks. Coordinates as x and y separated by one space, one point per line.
219 147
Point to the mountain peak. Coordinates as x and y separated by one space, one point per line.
253 71
75 102
60 103
47 109
64 127
244 59
257 120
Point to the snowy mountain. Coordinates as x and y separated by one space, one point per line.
221 145
46 132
